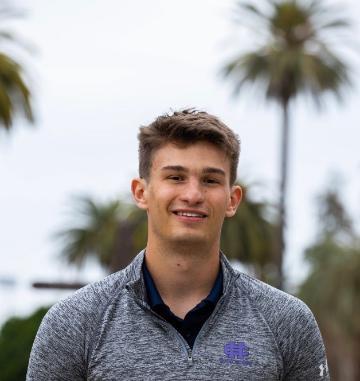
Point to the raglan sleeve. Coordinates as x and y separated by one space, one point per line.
58 349
302 346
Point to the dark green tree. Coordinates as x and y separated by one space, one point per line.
293 57
16 339
249 236
332 289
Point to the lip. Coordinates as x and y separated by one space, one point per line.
190 218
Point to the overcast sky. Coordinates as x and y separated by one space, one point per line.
103 68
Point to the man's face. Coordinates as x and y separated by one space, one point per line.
188 194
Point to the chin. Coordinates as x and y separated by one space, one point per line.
191 240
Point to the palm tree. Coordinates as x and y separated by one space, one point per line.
111 232
249 236
15 95
293 59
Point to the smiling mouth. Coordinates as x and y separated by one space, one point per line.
190 214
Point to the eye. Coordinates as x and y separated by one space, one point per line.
175 178
211 181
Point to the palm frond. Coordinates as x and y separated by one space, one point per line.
248 68
251 9
339 23
111 232
15 94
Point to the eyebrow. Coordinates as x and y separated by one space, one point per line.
207 170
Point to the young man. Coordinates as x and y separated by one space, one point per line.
179 311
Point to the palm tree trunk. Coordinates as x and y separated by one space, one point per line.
283 193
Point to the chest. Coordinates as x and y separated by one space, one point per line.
232 345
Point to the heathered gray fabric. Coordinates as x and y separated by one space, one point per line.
106 331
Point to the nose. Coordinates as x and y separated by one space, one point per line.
192 193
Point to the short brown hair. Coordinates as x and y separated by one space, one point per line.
187 127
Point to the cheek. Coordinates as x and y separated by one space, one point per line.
222 202
160 197
221 198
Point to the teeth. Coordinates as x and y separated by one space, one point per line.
187 214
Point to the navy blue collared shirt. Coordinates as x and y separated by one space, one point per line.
190 326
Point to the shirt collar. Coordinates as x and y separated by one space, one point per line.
133 277
155 298
152 292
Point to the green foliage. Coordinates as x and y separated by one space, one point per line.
16 339
95 232
112 232
294 56
15 95
335 223
332 289
249 235
138 219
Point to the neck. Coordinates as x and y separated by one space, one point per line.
183 275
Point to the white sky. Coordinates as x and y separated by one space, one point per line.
102 69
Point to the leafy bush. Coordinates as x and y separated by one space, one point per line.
16 339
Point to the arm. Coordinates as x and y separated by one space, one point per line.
58 349
303 348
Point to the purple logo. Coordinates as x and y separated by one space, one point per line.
236 353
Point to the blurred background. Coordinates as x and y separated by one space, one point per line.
77 80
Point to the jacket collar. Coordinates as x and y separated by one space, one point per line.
135 279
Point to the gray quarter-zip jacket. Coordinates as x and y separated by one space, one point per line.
107 331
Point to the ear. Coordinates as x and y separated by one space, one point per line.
138 190
234 201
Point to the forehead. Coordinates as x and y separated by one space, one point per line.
193 157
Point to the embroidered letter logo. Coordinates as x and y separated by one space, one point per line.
236 353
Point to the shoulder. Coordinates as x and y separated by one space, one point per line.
270 301
89 302
92 300
288 318
66 336
293 327
69 331
79 315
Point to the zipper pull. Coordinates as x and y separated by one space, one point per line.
190 359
